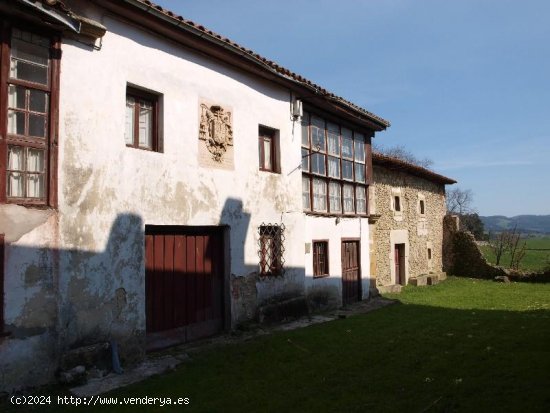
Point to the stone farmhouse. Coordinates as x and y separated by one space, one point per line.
160 183
407 207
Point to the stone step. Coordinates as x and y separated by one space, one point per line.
394 288
428 279
419 281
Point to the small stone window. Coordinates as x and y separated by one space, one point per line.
422 207
397 203
429 253
271 249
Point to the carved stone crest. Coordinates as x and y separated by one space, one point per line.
216 130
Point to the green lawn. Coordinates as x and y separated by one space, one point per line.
461 346
533 260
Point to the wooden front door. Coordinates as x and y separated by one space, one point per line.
183 282
399 260
351 272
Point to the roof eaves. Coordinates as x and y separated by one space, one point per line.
398 164
253 57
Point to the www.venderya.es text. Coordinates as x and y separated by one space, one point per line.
99 401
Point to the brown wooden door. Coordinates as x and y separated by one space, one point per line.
399 260
184 281
351 272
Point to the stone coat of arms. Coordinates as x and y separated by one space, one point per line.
216 130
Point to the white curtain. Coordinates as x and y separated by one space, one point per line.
360 172
15 179
333 140
267 154
333 167
348 198
305 193
347 143
35 160
146 125
35 182
35 185
347 169
335 197
129 131
319 195
16 97
359 147
361 200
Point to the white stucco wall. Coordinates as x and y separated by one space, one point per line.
334 230
92 247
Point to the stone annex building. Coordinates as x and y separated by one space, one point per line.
407 207
160 183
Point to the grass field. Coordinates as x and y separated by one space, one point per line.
533 260
460 346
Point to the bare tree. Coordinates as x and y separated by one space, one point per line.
400 152
499 244
517 250
508 241
459 201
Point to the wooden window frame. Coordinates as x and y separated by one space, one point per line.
265 133
153 99
367 165
317 273
50 142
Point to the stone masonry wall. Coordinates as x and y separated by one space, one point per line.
423 230
463 258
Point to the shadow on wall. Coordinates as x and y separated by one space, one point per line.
254 297
59 299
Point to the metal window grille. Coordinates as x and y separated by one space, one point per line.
271 249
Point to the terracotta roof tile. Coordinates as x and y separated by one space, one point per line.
271 64
398 164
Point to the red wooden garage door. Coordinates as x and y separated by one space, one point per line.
184 281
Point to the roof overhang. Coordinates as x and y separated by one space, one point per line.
208 43
399 165
51 15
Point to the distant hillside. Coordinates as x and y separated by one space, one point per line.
532 224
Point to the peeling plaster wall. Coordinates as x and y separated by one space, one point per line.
28 357
76 276
169 188
417 231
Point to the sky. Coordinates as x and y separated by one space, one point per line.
465 83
